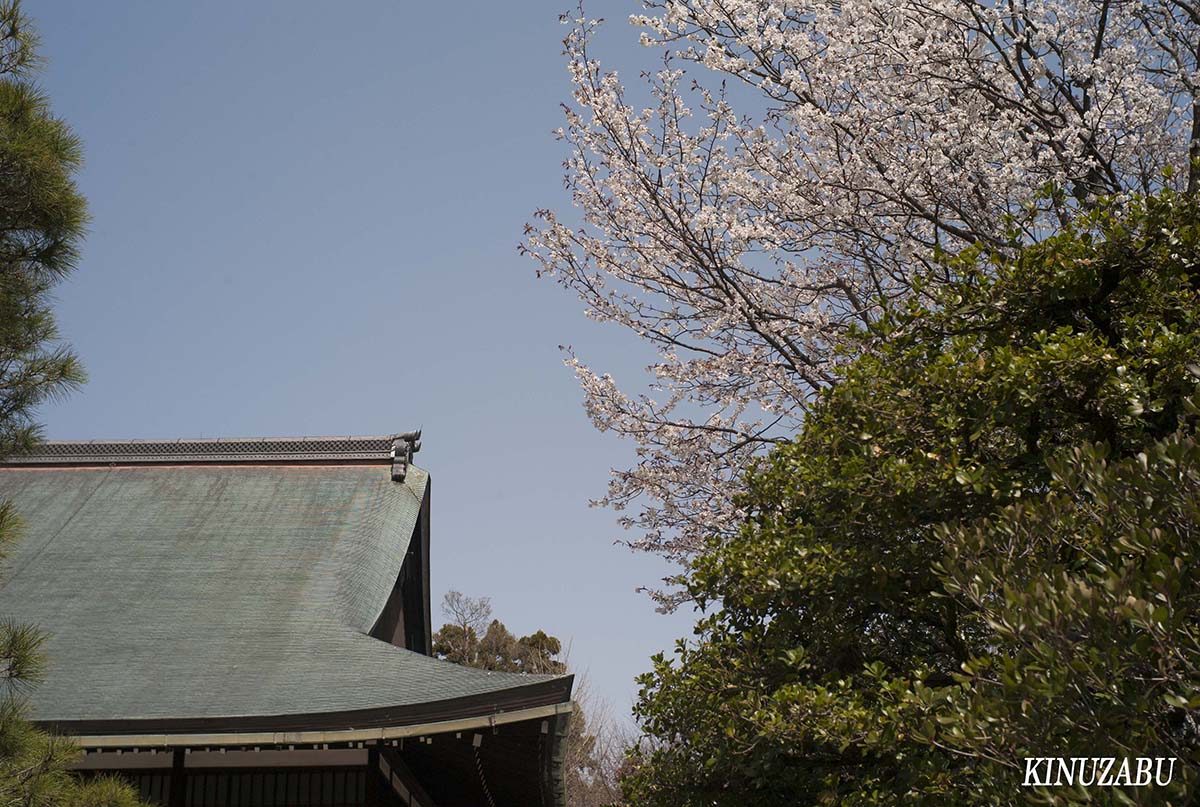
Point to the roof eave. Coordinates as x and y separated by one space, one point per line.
399 720
331 737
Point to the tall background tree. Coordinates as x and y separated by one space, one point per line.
42 221
791 172
595 744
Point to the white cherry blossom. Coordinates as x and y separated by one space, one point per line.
796 169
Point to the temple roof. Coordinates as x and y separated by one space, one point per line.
229 585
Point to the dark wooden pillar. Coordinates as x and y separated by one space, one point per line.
374 778
178 792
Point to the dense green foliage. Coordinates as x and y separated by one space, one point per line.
498 649
34 769
42 219
979 548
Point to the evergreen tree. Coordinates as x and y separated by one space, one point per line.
42 220
472 638
978 549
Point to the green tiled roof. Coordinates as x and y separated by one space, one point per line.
210 591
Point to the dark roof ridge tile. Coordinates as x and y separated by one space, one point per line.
219 450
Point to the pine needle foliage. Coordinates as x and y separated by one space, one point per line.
42 222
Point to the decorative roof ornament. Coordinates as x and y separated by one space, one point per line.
403 447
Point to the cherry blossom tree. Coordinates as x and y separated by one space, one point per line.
790 171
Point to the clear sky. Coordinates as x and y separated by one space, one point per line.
305 219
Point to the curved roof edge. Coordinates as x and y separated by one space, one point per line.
496 706
97 742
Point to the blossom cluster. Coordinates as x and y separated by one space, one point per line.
798 170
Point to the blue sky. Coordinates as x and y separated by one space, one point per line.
305 219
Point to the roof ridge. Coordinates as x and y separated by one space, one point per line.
397 447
